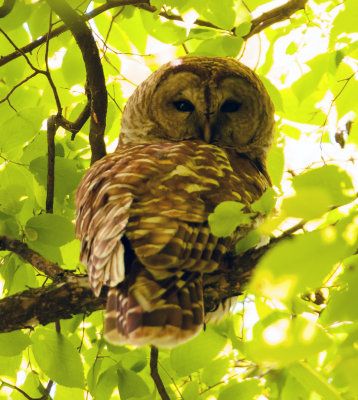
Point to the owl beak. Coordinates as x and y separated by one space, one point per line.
207 132
208 126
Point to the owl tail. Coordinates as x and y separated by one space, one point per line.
162 313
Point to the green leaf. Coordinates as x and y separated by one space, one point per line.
226 217
17 275
344 86
39 14
51 229
136 360
17 130
32 387
215 370
302 262
51 253
73 57
66 393
116 37
166 32
346 21
290 131
18 16
248 242
345 374
220 13
291 48
279 338
252 4
132 26
198 352
13 343
329 178
302 111
308 203
293 390
274 93
248 389
106 384
9 366
344 295
309 82
221 46
276 163
57 357
243 29
266 202
130 384
191 391
11 198
67 175
311 380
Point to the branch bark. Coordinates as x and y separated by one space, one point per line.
71 294
48 268
275 15
95 76
155 374
61 300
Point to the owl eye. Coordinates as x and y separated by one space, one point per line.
230 106
184 106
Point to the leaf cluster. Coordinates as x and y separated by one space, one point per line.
293 333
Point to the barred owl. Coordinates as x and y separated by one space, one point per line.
194 134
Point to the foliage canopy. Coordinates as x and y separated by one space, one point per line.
294 332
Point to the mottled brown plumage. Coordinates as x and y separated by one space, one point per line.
194 134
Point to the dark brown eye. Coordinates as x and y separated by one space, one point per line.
230 106
184 106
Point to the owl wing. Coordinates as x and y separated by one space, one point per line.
142 218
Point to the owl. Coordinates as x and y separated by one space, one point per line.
194 134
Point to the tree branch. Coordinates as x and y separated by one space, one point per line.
51 132
60 300
50 269
258 24
95 76
71 294
155 374
275 15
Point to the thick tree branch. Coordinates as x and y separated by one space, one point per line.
95 76
48 268
60 300
258 24
71 294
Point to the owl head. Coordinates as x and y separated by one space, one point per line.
217 100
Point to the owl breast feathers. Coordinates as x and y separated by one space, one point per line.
142 212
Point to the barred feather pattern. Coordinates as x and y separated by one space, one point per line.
142 217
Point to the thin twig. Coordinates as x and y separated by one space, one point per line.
51 132
3 383
48 74
6 98
155 374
